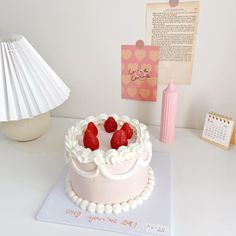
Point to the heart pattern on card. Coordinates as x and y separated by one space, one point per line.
154 55
132 91
139 74
126 54
145 92
140 54
139 82
152 81
125 79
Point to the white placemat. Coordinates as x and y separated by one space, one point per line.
153 217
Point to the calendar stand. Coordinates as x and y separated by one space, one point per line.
233 137
219 130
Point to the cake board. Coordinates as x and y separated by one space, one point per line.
153 217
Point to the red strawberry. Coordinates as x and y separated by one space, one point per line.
128 130
92 127
119 139
110 125
90 140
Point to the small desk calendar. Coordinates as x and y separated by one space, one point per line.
219 130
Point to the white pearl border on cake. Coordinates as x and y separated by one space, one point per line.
112 156
115 208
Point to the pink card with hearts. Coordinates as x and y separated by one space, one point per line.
139 70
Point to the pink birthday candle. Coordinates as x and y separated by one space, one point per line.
168 114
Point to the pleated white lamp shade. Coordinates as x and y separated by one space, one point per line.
28 86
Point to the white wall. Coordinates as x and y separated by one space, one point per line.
81 41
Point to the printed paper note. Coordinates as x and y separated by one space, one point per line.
174 30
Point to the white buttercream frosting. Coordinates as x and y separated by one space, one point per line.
115 208
134 151
112 156
125 206
108 209
92 207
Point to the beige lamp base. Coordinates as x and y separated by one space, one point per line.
27 129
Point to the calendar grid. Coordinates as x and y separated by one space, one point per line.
218 129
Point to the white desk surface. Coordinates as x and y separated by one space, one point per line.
204 184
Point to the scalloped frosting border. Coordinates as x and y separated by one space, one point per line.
112 156
115 208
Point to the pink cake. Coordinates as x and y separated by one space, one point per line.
109 180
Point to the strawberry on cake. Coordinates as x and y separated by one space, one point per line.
108 159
